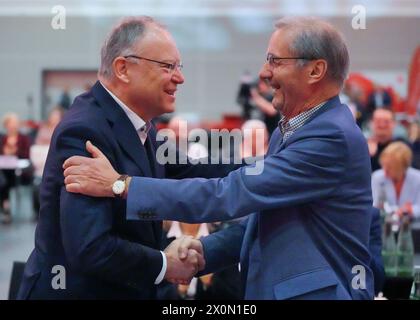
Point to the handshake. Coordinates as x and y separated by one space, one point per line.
184 258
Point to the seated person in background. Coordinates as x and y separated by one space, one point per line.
383 124
179 132
255 138
261 97
39 151
13 143
397 180
46 129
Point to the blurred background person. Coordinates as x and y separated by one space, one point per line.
397 180
46 129
39 152
255 138
178 131
65 99
14 144
261 97
244 95
382 127
179 136
255 99
379 98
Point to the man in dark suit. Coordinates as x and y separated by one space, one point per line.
307 235
84 246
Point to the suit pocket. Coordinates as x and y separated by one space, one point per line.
320 284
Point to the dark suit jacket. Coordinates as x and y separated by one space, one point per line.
307 236
104 255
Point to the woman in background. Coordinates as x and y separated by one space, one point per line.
397 180
13 143
46 129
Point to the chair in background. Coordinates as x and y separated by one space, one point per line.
17 274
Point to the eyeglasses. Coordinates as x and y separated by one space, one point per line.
170 66
273 61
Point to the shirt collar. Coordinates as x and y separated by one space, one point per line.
138 123
297 121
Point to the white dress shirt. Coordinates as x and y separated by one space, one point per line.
142 129
410 191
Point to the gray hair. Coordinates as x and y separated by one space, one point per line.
121 40
317 39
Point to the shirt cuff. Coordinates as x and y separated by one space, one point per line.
163 270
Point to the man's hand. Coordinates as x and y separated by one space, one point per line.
184 258
90 176
188 242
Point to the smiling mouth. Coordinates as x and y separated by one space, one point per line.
170 92
274 86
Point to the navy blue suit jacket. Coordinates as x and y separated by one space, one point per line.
307 236
105 256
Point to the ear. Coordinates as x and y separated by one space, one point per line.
119 66
317 70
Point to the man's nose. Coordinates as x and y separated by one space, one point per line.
265 72
178 77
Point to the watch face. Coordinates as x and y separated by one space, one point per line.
118 187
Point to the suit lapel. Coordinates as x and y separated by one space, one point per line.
123 129
151 141
275 142
128 139
130 142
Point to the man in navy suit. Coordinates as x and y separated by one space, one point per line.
85 248
307 234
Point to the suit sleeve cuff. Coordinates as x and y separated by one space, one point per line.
163 270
